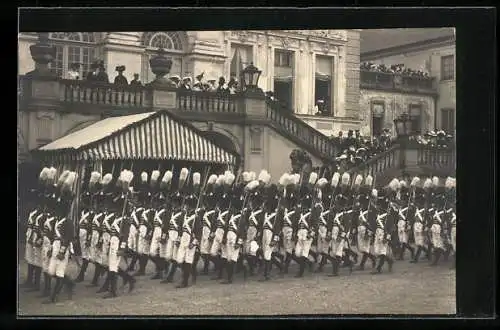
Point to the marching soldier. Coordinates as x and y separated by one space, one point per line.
349 221
85 223
290 220
175 224
305 231
382 237
419 218
450 186
153 217
322 243
119 231
162 218
404 214
144 239
217 250
31 232
209 219
133 239
62 244
255 222
437 223
270 234
339 238
367 199
191 232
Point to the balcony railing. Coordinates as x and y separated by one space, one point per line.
189 101
300 130
397 82
382 162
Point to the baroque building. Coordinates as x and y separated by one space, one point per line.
301 67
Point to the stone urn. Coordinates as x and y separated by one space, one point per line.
42 53
160 66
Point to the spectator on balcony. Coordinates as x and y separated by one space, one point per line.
92 75
199 78
73 73
186 84
349 141
102 76
232 85
175 79
211 85
120 79
222 88
135 82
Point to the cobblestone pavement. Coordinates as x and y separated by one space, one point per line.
409 289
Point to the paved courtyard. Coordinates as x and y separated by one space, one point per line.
409 289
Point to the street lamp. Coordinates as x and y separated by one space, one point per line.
250 78
403 131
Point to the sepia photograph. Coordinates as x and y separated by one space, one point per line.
237 172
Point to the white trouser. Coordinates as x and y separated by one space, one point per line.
104 253
288 243
83 244
132 238
338 243
267 249
418 233
46 249
232 252
58 267
185 254
205 240
251 235
114 259
171 248
217 243
37 255
453 238
143 242
380 246
28 251
303 244
323 245
154 247
402 232
363 240
437 240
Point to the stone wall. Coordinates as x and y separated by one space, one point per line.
352 75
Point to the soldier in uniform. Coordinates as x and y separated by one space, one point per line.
419 219
191 232
437 221
290 220
255 222
154 218
450 214
367 212
85 223
405 209
161 220
270 232
209 219
337 231
322 203
119 232
32 280
217 250
305 226
383 237
62 244
175 224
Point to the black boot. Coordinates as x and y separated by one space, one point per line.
206 263
105 287
83 269
401 254
230 271
55 293
417 255
112 286
194 267
170 277
143 261
380 265
127 279
158 270
275 261
437 255
29 278
131 266
302 266
446 254
186 268
220 268
97 273
267 269
390 262
453 263
363 261
47 279
428 252
335 267
166 268
373 260
69 284
286 266
349 263
35 286
321 263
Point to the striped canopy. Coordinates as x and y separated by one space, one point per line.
152 135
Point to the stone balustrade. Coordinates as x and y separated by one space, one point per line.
397 82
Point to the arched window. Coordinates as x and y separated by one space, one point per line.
73 47
174 45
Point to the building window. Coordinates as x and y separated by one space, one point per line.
73 47
323 85
378 114
447 67
283 58
415 111
255 140
448 120
172 43
241 57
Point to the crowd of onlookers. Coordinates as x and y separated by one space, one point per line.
399 68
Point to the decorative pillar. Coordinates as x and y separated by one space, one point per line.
161 90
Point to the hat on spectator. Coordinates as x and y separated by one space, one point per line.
386 130
136 75
432 133
360 150
101 64
120 68
175 78
449 136
200 76
75 65
342 157
211 80
186 79
441 132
